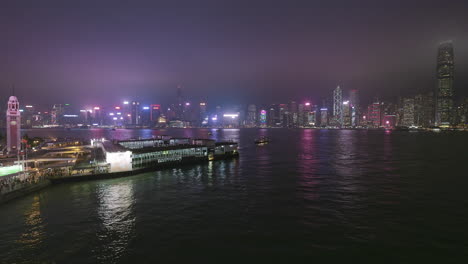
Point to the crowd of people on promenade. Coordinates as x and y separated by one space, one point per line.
21 180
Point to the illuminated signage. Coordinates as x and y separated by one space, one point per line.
263 116
231 115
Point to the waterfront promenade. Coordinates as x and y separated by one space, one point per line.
109 159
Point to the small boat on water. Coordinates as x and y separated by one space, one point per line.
262 141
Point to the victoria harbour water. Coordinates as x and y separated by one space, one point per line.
335 195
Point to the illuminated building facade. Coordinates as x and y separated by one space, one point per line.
263 117
56 114
408 112
251 115
354 107
13 125
445 91
324 117
346 114
338 105
424 110
374 112
155 113
135 113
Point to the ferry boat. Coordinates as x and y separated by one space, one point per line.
262 141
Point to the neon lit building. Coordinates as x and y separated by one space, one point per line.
13 117
263 117
374 112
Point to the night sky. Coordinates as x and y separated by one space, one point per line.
83 52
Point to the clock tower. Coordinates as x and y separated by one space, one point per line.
13 126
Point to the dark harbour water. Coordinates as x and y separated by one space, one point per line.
309 196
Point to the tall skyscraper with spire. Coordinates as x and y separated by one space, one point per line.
445 91
13 117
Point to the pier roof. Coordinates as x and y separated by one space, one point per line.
153 149
111 147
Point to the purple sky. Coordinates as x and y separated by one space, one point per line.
226 51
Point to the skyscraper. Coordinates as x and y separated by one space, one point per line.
445 92
338 105
408 112
155 113
13 117
135 114
354 106
251 115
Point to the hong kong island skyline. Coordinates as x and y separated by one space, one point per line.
236 58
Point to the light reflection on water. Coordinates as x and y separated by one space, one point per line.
35 228
308 192
117 220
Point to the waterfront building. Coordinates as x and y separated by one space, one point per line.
408 112
155 113
293 119
126 112
323 117
464 112
27 116
263 118
145 116
251 116
312 118
56 114
445 78
179 107
231 119
135 113
282 115
13 117
300 115
424 110
374 114
354 105
338 106
203 116
272 116
125 156
97 116
346 114
389 121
